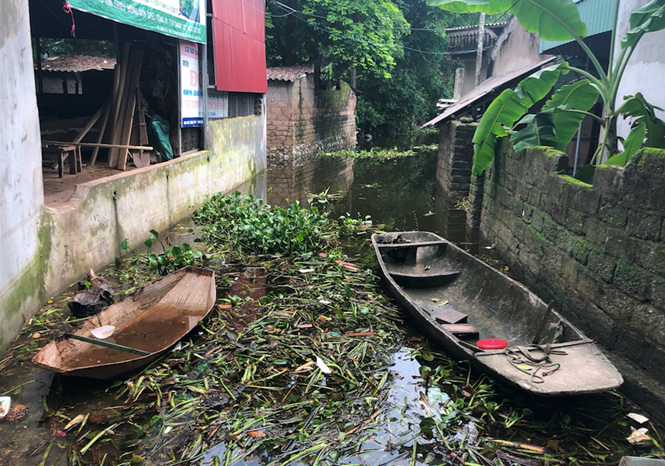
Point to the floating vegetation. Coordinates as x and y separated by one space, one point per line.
381 154
304 361
170 258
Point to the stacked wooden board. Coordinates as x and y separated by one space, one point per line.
125 96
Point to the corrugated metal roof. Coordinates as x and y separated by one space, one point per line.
289 73
598 15
77 63
486 89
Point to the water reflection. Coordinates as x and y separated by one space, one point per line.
334 174
400 193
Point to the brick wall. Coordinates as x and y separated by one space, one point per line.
453 169
598 251
303 121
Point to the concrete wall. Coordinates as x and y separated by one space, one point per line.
303 121
469 84
86 232
515 49
597 251
21 186
645 67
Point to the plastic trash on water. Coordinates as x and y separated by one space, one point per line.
5 404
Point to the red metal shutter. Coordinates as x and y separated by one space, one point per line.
240 52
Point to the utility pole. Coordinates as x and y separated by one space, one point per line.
479 54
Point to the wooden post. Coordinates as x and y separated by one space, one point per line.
40 85
479 53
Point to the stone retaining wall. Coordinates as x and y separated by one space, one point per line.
597 251
453 169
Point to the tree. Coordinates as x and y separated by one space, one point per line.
397 49
393 109
557 122
336 35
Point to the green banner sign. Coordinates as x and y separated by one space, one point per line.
184 19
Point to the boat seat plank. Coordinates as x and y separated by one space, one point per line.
424 279
449 316
462 330
421 244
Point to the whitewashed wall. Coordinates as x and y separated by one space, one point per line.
646 69
21 186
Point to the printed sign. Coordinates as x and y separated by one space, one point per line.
184 19
190 85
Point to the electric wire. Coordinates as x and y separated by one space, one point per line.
366 42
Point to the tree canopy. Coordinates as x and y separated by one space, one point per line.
397 47
338 35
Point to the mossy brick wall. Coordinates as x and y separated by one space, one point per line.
303 121
597 251
453 170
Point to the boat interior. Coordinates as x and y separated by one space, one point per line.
465 296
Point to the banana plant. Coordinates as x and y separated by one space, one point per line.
559 118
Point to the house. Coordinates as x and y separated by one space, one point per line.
202 71
463 46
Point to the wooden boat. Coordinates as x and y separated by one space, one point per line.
149 321
458 299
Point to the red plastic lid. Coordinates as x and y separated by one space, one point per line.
492 343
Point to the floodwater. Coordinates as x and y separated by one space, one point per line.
401 194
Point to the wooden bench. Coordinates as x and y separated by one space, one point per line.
61 153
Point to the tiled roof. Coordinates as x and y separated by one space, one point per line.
289 73
77 63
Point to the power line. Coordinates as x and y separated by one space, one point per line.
293 10
366 42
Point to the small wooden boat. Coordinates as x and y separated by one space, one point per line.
458 300
147 324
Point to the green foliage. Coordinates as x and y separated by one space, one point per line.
581 95
341 35
539 131
168 260
631 145
649 18
560 117
393 109
380 153
505 110
396 85
250 226
645 113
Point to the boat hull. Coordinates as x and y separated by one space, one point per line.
153 320
430 278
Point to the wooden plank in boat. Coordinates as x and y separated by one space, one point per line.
462 330
410 245
449 316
